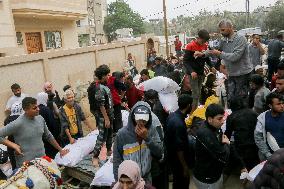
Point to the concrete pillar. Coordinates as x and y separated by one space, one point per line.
7 31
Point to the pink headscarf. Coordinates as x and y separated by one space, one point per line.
132 170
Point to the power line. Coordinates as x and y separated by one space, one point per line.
187 4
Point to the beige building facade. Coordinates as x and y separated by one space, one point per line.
31 26
90 29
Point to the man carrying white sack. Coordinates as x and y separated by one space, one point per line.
28 131
269 130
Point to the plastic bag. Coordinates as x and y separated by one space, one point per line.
272 142
125 115
255 171
104 176
81 148
160 84
169 101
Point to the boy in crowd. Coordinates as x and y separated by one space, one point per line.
101 106
212 150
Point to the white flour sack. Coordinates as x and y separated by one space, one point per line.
77 151
160 84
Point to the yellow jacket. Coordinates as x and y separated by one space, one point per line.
200 112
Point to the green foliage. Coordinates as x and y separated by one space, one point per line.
275 18
260 17
120 15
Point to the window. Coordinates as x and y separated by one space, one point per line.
53 39
19 38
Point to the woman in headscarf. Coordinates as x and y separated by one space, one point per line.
129 177
47 114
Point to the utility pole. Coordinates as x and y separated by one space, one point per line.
247 11
166 27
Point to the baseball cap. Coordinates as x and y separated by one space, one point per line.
142 113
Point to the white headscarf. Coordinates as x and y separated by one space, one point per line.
42 98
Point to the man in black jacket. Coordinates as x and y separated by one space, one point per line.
212 150
242 123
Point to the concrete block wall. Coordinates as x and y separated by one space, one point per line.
62 67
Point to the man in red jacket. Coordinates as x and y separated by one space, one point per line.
178 46
195 65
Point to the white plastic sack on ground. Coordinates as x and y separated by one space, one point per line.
255 171
104 176
81 148
169 101
6 168
160 84
125 115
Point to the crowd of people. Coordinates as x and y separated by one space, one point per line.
199 138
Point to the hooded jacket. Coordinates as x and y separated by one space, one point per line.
260 137
127 147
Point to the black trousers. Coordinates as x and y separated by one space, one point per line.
160 177
117 122
179 181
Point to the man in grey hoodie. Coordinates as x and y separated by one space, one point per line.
270 125
138 141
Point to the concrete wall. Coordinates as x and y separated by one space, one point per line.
62 67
